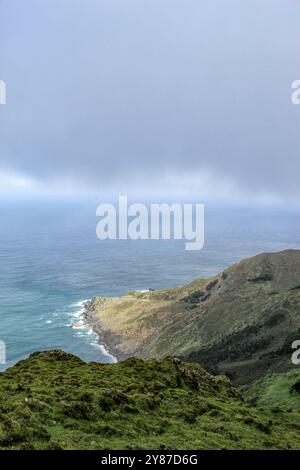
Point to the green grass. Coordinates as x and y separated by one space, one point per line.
53 400
277 389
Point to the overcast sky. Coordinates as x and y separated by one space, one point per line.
177 97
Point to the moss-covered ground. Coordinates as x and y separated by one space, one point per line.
54 400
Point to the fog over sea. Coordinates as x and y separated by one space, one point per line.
51 262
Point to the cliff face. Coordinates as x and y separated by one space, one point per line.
241 322
54 400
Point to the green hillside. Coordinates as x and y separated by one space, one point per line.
54 400
241 322
277 389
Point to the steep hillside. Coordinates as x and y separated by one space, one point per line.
54 400
277 390
241 322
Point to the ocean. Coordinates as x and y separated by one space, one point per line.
51 262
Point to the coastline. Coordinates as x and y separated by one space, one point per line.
241 306
104 339
118 324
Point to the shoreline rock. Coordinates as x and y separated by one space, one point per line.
94 322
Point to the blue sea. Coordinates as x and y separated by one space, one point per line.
51 262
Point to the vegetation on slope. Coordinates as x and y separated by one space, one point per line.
240 323
54 400
277 389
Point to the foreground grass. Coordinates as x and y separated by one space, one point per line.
53 400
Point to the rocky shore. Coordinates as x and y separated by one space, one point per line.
92 319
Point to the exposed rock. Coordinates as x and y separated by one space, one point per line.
295 388
176 361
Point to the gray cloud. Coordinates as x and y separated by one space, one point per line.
124 93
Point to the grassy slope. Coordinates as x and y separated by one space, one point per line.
241 322
277 390
54 400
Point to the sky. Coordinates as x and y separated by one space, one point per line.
164 98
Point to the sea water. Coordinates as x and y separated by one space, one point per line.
51 262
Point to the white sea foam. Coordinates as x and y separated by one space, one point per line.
78 323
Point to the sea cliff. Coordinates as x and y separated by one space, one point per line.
241 322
